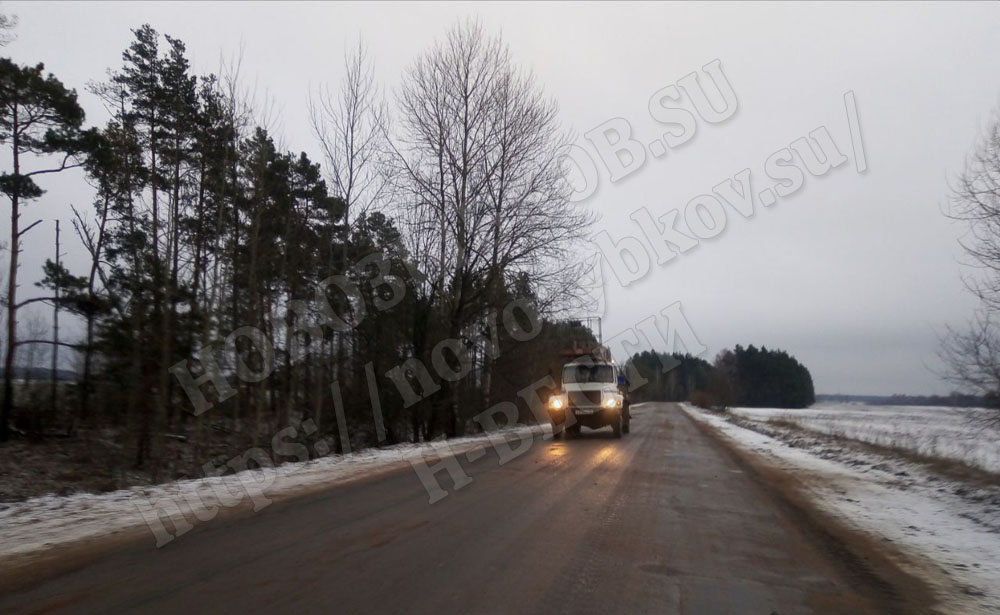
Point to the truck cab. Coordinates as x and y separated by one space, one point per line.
590 396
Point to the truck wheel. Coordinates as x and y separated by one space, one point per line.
573 431
616 426
625 425
557 432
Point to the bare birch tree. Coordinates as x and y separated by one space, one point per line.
350 126
480 149
479 153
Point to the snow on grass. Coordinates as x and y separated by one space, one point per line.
944 433
40 523
946 528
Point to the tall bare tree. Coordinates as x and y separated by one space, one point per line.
971 356
479 153
350 126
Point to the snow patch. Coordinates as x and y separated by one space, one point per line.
43 522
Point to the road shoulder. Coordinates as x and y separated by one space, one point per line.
885 573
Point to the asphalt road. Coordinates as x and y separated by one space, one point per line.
665 520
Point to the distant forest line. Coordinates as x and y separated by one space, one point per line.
741 376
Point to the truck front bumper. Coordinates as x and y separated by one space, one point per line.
589 416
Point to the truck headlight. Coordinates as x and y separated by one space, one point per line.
611 402
556 403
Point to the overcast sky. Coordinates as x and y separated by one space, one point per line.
855 274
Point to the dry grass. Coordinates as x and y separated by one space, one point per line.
57 466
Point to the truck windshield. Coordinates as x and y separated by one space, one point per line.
580 374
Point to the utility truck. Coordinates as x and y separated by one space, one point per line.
592 392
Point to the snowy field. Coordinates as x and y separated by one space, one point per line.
947 528
932 431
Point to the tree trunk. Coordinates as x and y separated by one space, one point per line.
15 214
54 388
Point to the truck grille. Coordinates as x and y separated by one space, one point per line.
584 398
